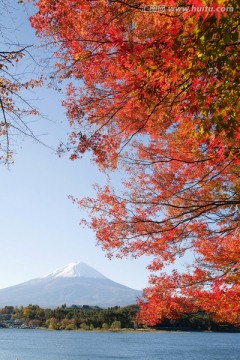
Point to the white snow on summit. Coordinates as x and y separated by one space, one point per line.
75 270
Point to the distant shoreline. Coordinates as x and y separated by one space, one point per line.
115 319
187 330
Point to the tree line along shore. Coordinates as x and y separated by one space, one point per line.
95 318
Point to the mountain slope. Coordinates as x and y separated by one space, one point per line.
75 283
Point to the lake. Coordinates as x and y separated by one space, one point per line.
66 345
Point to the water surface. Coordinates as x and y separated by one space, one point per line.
70 345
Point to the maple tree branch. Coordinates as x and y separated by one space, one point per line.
6 125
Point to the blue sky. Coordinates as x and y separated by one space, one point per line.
40 228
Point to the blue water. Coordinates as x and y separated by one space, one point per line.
67 345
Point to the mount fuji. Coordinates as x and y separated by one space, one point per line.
75 283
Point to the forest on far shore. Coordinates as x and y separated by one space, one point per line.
95 318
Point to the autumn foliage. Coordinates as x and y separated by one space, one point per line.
17 79
13 105
157 94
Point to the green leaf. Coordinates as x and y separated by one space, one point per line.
235 36
226 38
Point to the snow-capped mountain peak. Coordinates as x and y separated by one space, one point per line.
73 270
75 283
